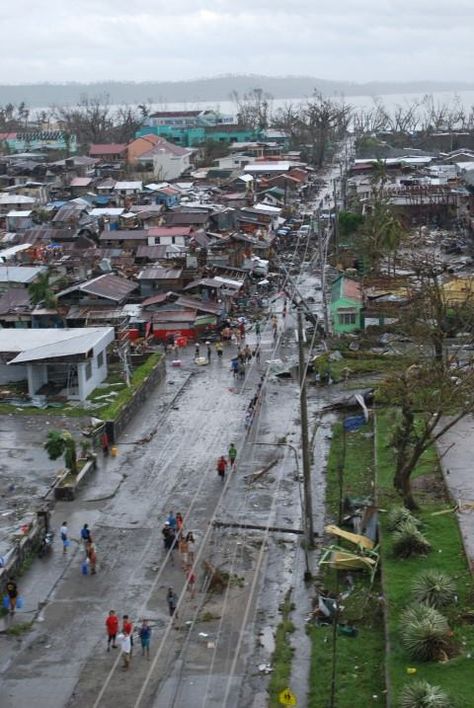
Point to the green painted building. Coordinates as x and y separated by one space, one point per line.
346 305
192 136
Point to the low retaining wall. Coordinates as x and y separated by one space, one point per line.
67 492
116 427
26 545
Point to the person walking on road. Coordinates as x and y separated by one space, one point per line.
145 635
64 536
12 594
209 352
179 521
127 628
235 367
190 540
232 452
191 581
86 535
219 349
221 466
91 553
196 351
257 331
172 601
104 441
126 647
112 627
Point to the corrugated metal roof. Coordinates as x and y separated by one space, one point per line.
108 286
170 231
129 185
14 299
125 235
38 344
154 253
20 274
80 182
159 273
107 149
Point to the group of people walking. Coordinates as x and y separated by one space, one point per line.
223 462
89 563
124 635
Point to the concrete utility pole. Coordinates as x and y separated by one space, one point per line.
323 252
307 501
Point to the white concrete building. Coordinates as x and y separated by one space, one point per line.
68 362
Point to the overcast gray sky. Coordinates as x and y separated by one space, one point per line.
360 40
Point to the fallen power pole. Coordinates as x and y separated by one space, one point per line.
256 527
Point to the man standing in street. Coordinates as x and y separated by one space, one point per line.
112 626
126 647
127 628
232 455
172 600
12 593
145 634
64 536
85 535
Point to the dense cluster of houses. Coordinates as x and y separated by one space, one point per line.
135 241
433 194
131 241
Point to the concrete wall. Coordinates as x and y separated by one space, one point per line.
97 374
168 166
12 373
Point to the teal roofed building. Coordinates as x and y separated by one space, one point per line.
346 305
190 128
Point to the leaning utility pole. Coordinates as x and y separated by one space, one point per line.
307 501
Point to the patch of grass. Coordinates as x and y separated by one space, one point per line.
208 617
359 660
283 654
18 629
361 363
111 410
447 555
358 467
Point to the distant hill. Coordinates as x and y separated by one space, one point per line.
218 88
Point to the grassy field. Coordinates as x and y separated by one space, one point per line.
359 678
454 676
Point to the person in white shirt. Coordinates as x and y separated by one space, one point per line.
64 536
126 647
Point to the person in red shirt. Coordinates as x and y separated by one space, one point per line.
221 466
127 628
112 626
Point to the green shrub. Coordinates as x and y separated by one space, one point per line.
408 541
434 588
425 633
400 515
421 694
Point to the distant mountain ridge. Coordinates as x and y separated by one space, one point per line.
218 88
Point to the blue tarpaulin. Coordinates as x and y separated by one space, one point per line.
354 422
